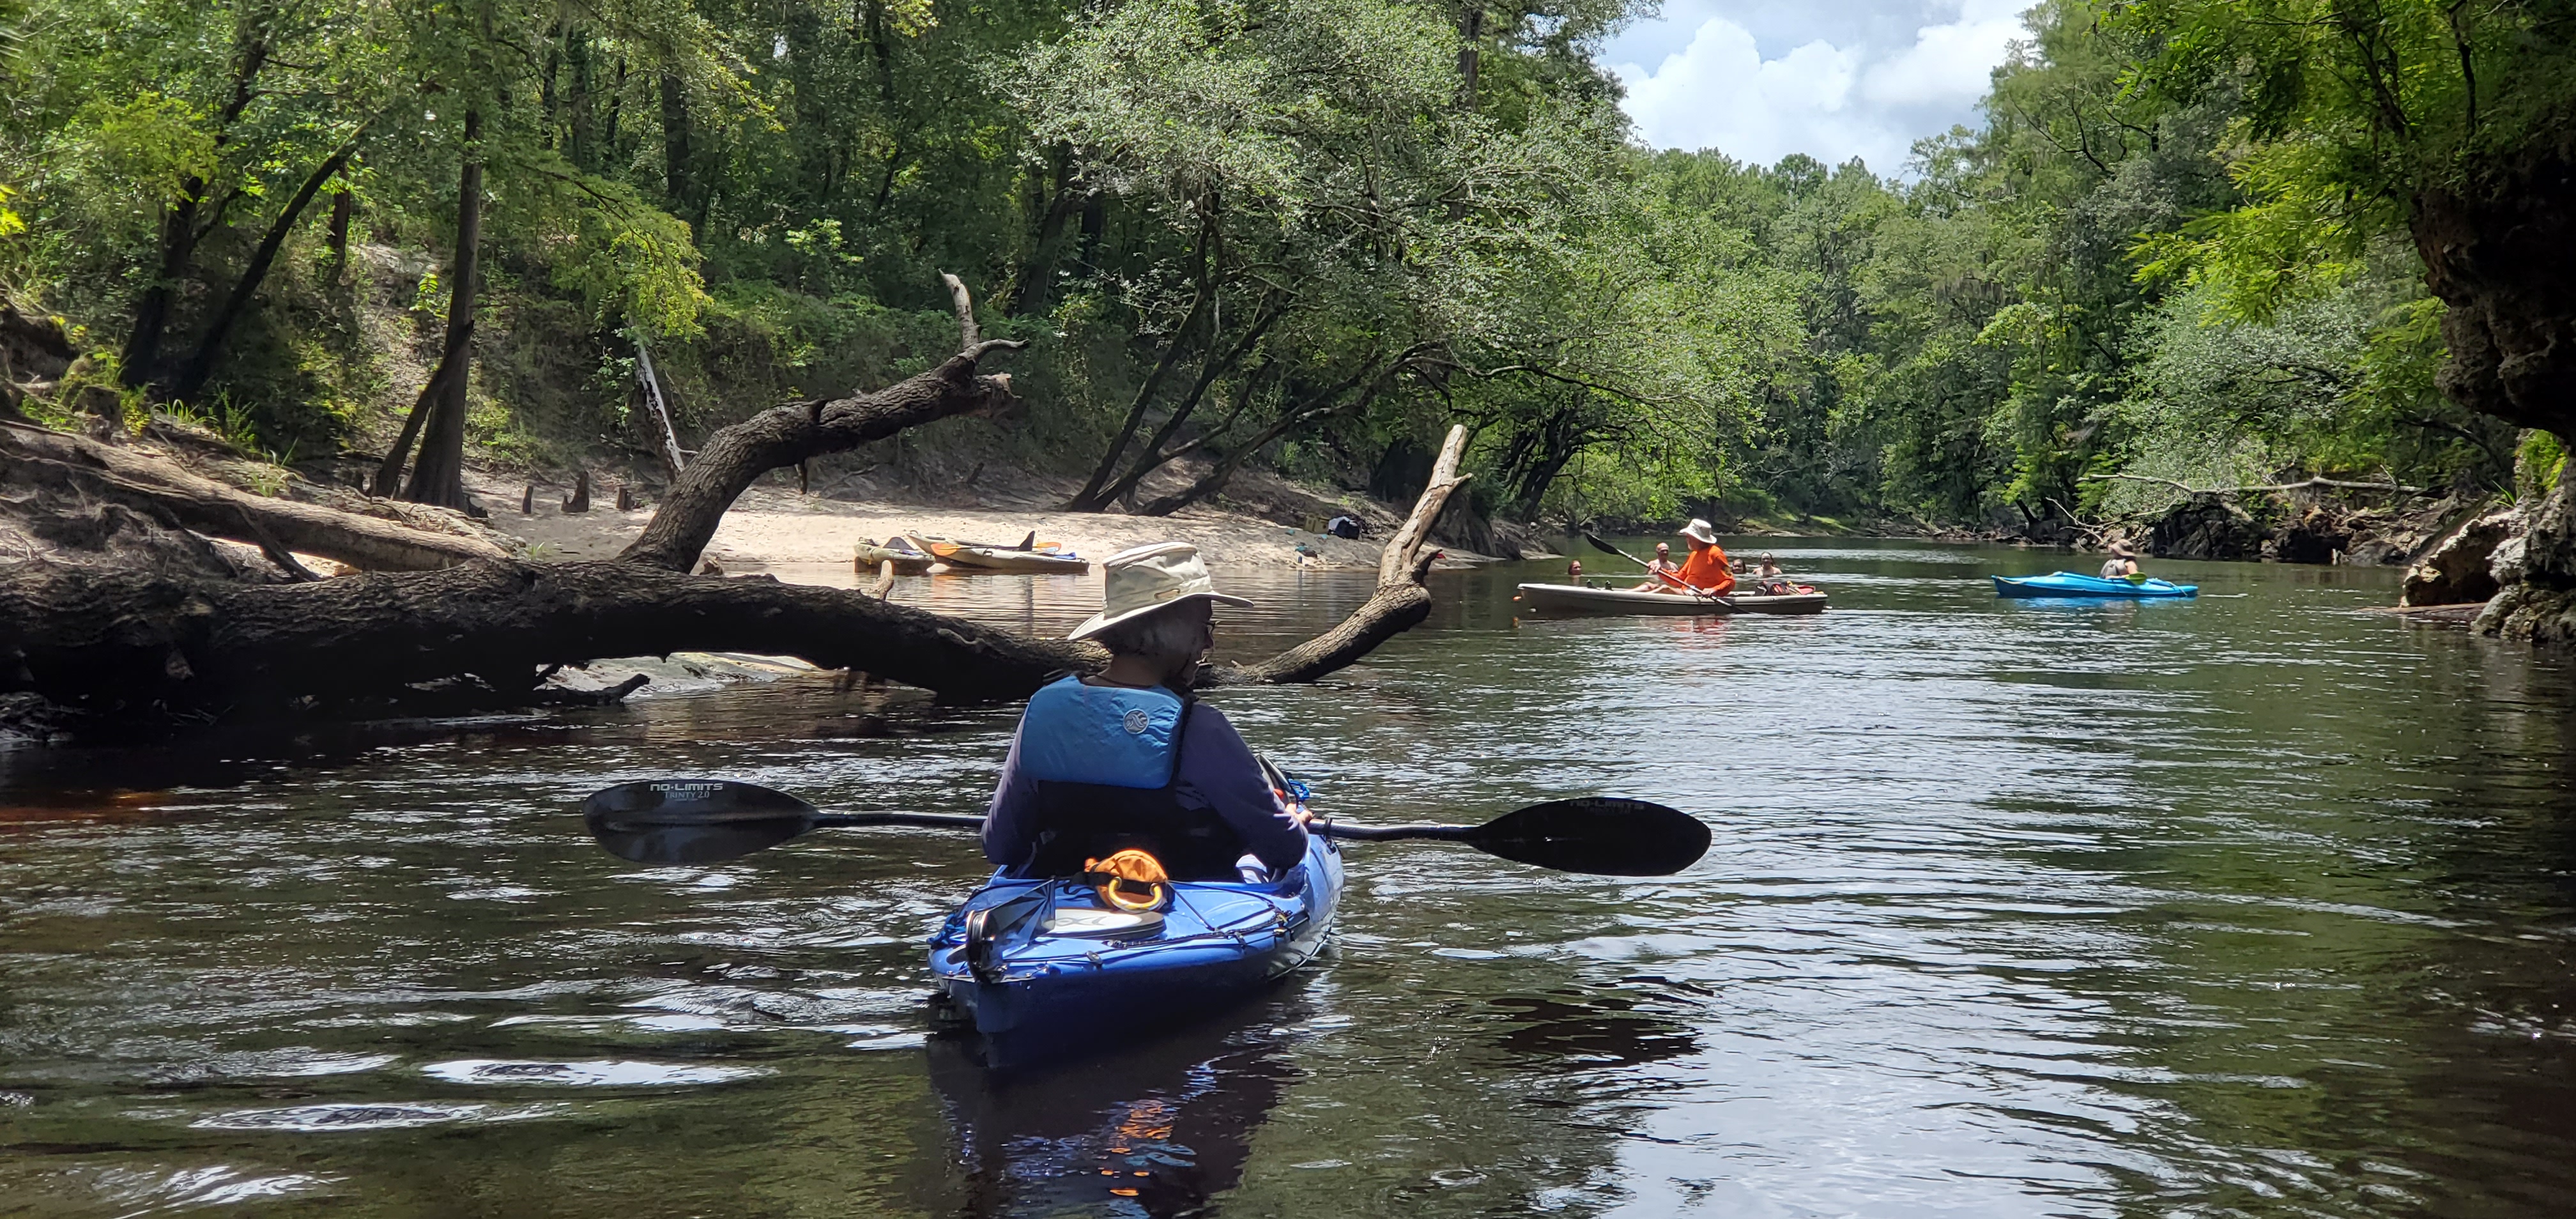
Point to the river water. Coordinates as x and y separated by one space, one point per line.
2252 905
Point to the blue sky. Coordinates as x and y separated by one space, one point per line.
1835 79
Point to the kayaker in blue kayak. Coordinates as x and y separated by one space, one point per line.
2122 565
1124 759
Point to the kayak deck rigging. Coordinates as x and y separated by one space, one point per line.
1047 961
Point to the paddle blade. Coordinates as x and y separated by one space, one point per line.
1602 835
693 820
1602 546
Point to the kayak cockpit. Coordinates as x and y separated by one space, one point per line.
1052 961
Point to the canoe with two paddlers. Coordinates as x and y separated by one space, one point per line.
1030 556
1579 599
2074 584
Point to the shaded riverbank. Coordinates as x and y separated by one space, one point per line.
2252 903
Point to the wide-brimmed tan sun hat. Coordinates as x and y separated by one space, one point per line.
1146 579
1700 531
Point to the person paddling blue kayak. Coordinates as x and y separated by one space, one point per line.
1149 866
2122 565
2120 577
1123 759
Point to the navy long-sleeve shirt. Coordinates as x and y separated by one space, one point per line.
1217 773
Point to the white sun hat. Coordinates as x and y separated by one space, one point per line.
1700 531
1146 579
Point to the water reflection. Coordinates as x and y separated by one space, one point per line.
1575 1027
1156 1129
2247 905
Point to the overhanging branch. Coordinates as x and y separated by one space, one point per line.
2318 483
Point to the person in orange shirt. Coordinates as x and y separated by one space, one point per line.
1707 568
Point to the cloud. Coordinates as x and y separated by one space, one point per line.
1949 65
1831 100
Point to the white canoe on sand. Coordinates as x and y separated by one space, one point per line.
1575 599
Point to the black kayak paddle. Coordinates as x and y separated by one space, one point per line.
1607 548
707 820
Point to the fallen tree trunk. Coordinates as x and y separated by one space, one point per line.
109 640
2317 482
788 435
106 639
33 456
112 640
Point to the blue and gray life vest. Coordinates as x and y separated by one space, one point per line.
1104 759
1110 736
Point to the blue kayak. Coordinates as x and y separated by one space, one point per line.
2069 584
1050 959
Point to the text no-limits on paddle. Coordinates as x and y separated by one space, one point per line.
707 820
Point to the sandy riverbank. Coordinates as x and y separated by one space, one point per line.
774 528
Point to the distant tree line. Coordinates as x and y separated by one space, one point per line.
2189 241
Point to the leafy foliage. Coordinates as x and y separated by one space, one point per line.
1307 233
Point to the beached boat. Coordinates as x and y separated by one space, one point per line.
2072 584
970 558
1578 599
907 560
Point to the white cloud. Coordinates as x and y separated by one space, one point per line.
1949 65
1832 101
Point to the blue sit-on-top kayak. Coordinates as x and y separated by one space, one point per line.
1050 959
2069 584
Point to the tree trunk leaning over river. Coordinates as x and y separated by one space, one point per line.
121 640
1400 602
784 436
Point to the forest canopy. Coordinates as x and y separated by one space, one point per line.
2187 242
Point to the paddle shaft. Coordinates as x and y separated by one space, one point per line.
1598 544
692 821
1393 833
1329 829
927 821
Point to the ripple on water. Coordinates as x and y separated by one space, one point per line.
360 1116
606 1073
145 1191
2238 907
